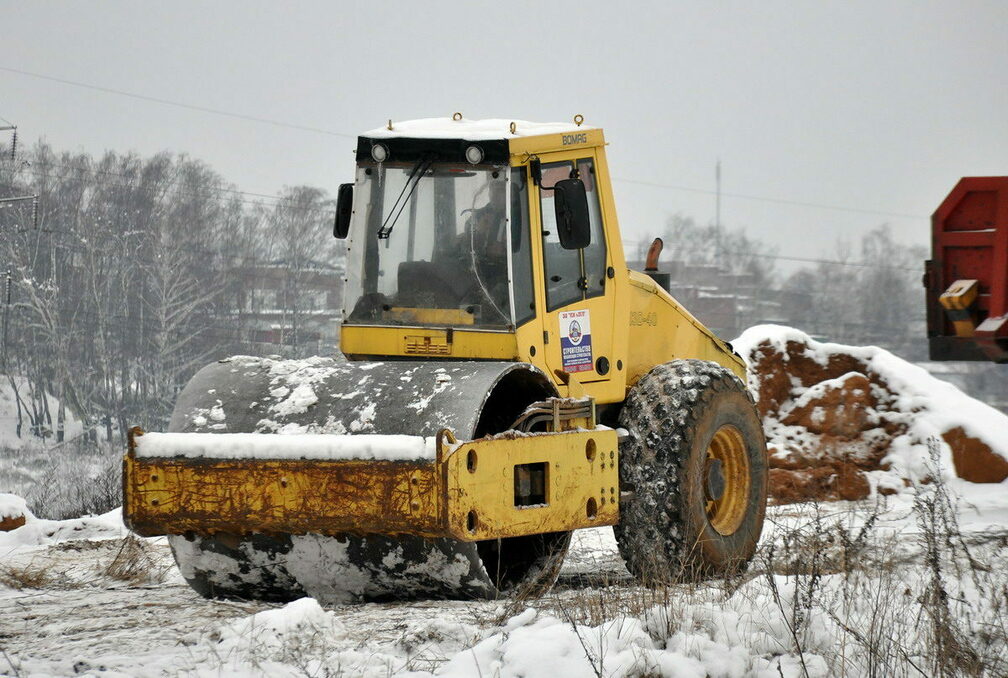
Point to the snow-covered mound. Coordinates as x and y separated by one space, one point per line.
843 421
13 512
25 530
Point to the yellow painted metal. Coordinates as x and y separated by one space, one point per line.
434 316
960 295
429 499
728 511
660 329
956 301
359 341
522 148
582 488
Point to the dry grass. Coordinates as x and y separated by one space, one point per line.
31 576
136 563
930 606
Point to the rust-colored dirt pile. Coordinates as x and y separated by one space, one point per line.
844 422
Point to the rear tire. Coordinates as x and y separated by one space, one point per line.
691 517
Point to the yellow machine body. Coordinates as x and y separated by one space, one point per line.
635 325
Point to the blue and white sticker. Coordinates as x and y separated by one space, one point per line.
575 341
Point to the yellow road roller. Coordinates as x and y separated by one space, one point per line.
504 379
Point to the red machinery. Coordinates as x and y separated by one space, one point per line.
967 276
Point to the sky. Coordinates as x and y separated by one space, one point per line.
875 108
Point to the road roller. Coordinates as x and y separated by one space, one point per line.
503 378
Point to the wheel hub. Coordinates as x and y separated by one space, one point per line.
726 480
714 486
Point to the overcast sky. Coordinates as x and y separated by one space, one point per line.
872 106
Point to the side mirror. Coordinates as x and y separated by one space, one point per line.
571 204
344 208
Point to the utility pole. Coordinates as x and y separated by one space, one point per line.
6 315
717 196
11 128
717 208
33 198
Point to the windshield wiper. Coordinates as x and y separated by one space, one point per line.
414 177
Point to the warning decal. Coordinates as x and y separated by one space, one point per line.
575 341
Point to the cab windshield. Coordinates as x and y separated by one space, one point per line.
432 245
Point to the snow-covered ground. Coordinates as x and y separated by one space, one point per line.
837 589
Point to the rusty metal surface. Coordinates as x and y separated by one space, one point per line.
206 496
471 482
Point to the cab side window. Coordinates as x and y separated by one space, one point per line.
521 252
595 253
563 267
571 275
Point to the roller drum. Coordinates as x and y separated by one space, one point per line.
335 396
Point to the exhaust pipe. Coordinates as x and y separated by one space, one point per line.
664 280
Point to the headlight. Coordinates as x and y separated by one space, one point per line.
474 154
379 152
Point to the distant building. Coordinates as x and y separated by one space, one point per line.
293 310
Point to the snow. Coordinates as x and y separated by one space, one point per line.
301 617
780 621
41 532
12 506
931 406
72 427
290 446
471 130
94 625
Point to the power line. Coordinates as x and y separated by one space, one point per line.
74 241
811 260
280 123
835 262
179 104
780 201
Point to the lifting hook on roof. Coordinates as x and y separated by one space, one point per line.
389 126
514 128
578 119
457 116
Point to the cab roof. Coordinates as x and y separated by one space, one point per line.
446 139
472 130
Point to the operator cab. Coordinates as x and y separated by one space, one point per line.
434 236
439 233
